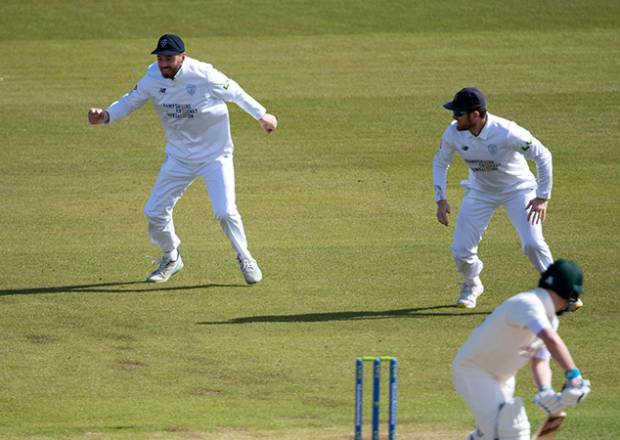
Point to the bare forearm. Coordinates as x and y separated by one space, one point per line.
541 372
557 348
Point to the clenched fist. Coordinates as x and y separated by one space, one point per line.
98 116
268 122
443 209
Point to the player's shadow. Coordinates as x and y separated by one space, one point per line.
415 312
115 287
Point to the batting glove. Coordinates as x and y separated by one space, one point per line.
549 401
574 391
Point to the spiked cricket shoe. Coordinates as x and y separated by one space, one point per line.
250 270
166 269
469 294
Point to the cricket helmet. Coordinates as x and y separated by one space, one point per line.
563 277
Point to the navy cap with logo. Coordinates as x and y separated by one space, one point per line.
169 44
467 100
563 277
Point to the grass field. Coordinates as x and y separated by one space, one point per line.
338 206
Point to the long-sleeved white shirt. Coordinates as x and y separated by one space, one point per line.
507 339
496 159
192 108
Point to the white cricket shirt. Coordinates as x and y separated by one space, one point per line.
506 340
496 159
192 108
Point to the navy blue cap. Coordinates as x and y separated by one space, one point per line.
467 100
169 44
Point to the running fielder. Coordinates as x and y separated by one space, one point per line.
495 150
190 97
523 329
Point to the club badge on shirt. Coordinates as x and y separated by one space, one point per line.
191 89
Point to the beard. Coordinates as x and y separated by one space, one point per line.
464 123
168 72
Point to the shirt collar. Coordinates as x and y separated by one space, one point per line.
484 134
179 74
546 300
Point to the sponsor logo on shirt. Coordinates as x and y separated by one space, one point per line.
180 111
226 85
483 165
527 146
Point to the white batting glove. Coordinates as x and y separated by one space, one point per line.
575 391
549 401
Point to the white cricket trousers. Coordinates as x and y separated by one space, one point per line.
483 394
174 178
475 213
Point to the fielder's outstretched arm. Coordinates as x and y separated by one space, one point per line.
230 91
129 102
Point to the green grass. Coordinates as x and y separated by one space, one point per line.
337 204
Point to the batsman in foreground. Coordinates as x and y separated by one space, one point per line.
190 97
495 150
523 329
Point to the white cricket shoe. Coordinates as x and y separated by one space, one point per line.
250 270
469 294
166 269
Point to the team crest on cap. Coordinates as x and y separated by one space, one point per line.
191 89
163 43
492 149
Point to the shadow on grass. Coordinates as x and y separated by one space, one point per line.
116 287
417 312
